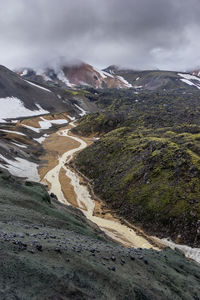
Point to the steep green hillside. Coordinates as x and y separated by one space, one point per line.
148 165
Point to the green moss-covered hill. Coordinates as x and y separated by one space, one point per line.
147 165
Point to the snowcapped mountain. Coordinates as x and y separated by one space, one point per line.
22 98
75 75
158 79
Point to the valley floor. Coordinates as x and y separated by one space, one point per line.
70 188
50 250
73 188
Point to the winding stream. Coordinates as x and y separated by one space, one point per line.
117 231
112 228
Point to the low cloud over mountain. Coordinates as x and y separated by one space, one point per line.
138 34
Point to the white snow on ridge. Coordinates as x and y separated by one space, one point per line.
138 86
189 76
127 84
71 118
42 138
19 145
103 74
106 74
38 86
32 128
12 107
21 168
83 112
188 82
46 124
14 132
186 78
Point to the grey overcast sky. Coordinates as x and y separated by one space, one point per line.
140 34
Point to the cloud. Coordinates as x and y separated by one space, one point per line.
132 33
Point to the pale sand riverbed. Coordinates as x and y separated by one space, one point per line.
68 188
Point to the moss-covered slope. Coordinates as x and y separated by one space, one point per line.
148 164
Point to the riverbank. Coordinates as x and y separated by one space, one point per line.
69 187
72 187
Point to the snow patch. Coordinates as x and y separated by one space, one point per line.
189 76
187 79
127 84
83 112
41 139
103 74
138 86
71 118
12 107
32 128
188 82
46 124
14 132
22 168
38 86
19 145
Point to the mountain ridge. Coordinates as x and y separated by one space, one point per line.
81 74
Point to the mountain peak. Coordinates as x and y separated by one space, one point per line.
77 74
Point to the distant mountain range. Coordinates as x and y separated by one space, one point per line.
75 75
58 89
85 75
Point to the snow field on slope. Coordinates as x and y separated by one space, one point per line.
187 79
46 124
41 139
103 74
12 107
21 167
127 84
